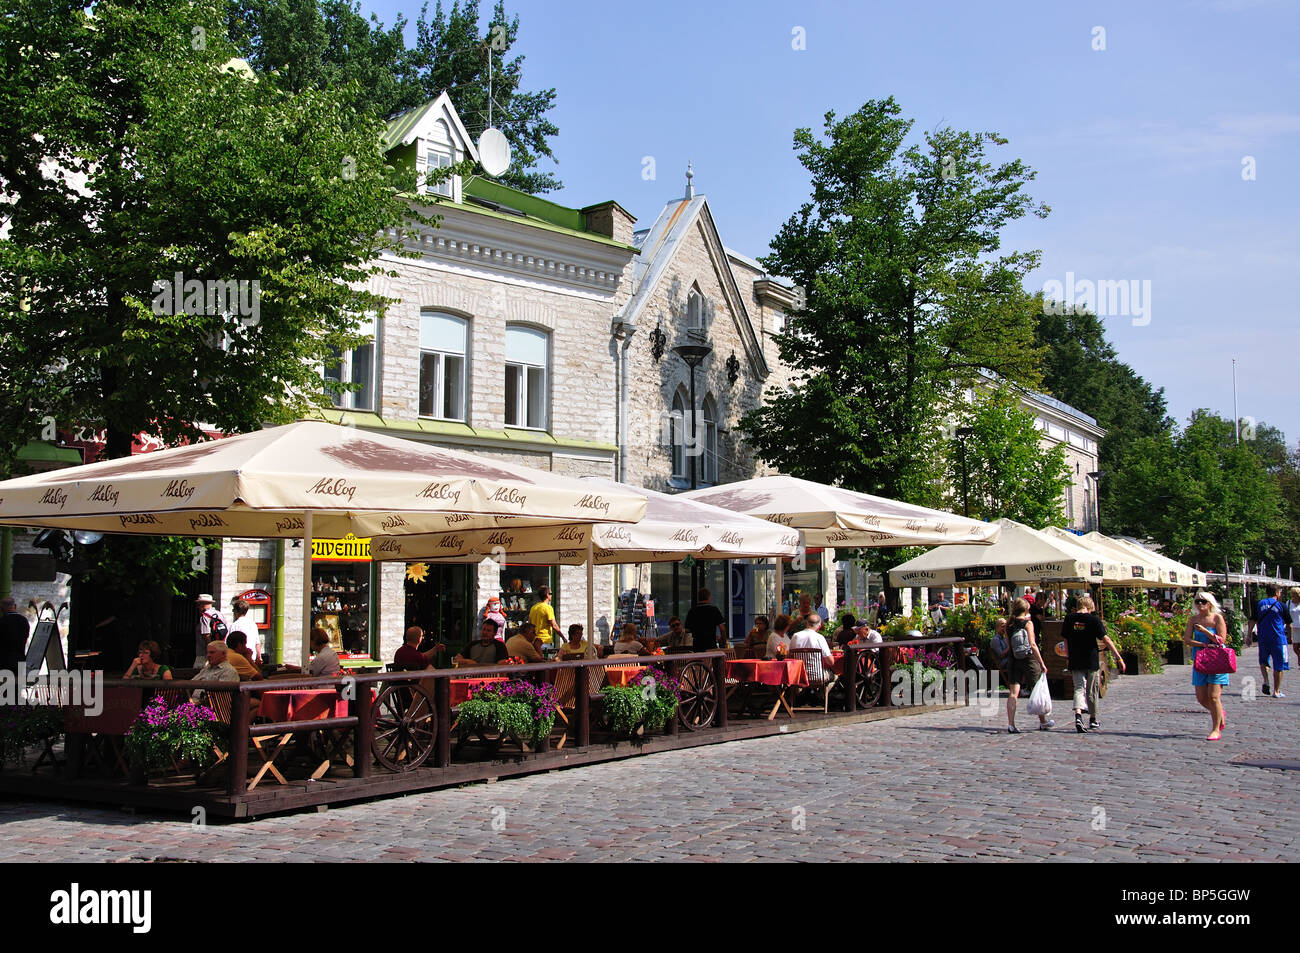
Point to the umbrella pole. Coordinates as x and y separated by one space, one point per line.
591 590
306 590
780 584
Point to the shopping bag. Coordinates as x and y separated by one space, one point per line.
1040 699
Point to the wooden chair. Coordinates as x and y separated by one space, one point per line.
565 682
820 678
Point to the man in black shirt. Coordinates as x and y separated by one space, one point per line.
13 635
1082 629
704 621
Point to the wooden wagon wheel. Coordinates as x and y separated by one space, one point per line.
699 702
868 680
405 727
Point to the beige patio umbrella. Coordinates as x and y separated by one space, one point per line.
305 479
832 516
1020 555
673 528
1115 571
1170 572
1140 571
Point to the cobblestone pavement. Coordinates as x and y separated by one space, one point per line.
942 785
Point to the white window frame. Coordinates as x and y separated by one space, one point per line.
524 370
351 400
438 410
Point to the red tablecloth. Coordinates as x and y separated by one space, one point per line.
782 673
623 674
461 687
837 666
302 706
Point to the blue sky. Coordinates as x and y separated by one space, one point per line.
1139 147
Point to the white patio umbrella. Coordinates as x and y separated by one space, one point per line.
1115 571
1169 572
304 479
673 528
1140 571
1020 555
832 516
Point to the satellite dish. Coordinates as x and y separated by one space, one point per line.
493 151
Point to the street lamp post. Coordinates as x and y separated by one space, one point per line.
693 355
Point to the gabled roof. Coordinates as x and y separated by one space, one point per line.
658 247
415 124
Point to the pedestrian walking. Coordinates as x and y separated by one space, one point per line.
1082 630
1294 606
1270 622
14 630
1205 627
1026 665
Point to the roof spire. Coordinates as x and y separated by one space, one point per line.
690 174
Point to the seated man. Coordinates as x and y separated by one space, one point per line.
810 638
487 650
409 658
678 637
525 644
240 657
217 669
325 660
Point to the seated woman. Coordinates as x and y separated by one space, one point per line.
147 664
756 642
325 660
577 647
627 642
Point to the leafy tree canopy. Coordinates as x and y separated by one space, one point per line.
133 155
324 44
908 300
1010 473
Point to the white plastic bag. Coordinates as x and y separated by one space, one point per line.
1040 699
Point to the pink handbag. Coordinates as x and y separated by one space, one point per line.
1215 660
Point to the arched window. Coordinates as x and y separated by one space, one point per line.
708 442
528 361
695 309
443 340
677 435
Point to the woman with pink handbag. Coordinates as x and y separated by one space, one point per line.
1207 632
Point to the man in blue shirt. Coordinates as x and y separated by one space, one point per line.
1271 624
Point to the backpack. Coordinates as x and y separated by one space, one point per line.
217 628
1020 647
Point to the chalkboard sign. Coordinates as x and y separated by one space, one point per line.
46 646
980 573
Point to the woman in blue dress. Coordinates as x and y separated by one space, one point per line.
1206 626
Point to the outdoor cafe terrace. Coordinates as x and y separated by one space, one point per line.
289 743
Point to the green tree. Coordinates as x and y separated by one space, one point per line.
323 44
908 301
1202 496
1081 367
169 163
1011 474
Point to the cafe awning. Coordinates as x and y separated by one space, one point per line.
1020 555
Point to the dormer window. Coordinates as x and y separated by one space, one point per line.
439 156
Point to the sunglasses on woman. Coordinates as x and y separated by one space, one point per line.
1201 602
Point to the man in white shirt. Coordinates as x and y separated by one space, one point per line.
245 623
812 639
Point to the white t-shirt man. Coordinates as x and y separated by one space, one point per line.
810 639
246 625
1295 629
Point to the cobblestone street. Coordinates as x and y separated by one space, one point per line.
943 785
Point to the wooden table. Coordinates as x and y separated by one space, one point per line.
282 706
781 674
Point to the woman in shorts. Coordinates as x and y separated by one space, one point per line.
1206 626
1023 671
